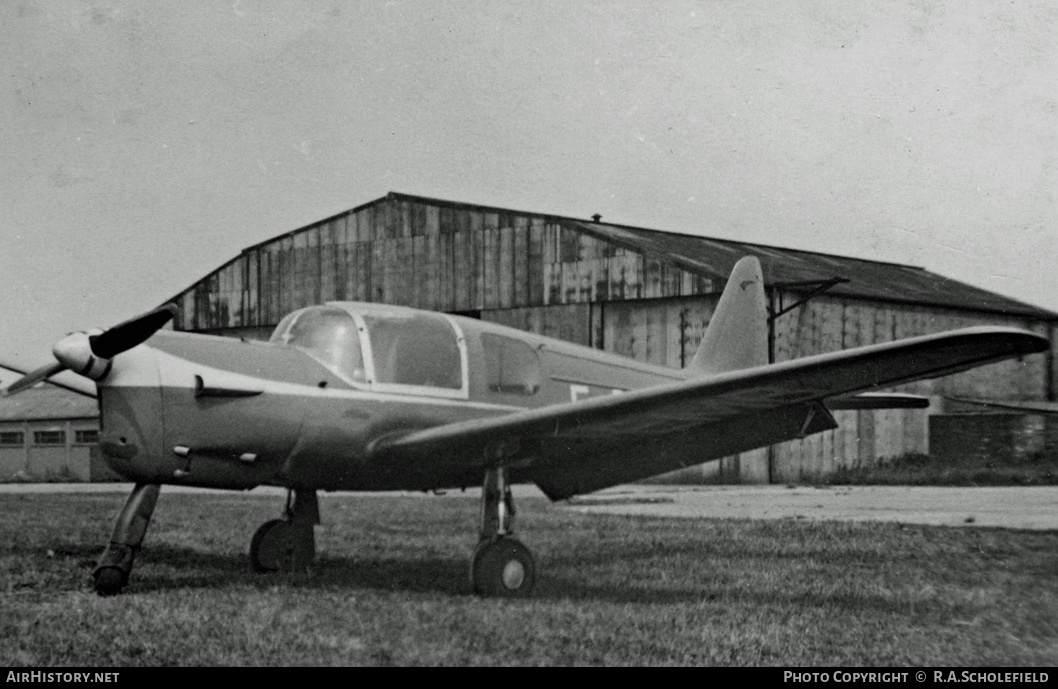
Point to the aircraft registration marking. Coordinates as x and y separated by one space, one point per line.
578 391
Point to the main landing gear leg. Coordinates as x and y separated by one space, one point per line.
288 544
501 566
115 564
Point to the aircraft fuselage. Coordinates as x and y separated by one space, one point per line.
202 410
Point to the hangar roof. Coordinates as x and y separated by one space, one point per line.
45 402
785 267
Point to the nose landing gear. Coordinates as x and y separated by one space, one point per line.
115 564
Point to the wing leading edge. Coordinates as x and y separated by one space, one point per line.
585 446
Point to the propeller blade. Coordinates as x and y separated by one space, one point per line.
90 354
125 336
34 377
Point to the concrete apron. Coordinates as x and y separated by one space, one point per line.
1006 507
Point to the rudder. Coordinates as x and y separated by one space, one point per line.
737 335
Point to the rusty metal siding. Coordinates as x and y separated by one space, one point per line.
663 331
476 257
569 322
417 254
828 324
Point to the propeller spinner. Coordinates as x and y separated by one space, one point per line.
89 353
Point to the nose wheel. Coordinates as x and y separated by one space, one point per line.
502 566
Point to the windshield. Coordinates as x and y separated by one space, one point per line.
407 348
329 335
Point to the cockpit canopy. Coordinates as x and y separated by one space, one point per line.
378 346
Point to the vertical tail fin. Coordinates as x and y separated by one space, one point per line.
737 335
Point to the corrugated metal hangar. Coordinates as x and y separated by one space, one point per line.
638 292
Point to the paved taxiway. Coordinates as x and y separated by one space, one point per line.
1007 507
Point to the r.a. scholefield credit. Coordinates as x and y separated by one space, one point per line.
919 676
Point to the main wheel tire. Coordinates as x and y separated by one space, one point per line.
503 568
270 546
283 546
110 580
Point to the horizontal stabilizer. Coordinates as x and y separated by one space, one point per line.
877 400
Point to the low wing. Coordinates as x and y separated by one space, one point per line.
68 381
584 446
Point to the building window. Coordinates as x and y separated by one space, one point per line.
12 439
49 437
86 437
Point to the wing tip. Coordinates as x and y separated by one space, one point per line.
1033 343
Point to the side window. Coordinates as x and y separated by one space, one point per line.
419 350
512 367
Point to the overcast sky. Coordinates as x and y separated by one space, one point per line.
142 144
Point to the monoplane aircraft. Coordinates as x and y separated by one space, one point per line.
358 396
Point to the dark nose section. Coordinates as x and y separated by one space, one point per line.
131 436
130 405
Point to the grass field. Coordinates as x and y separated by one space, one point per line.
391 588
